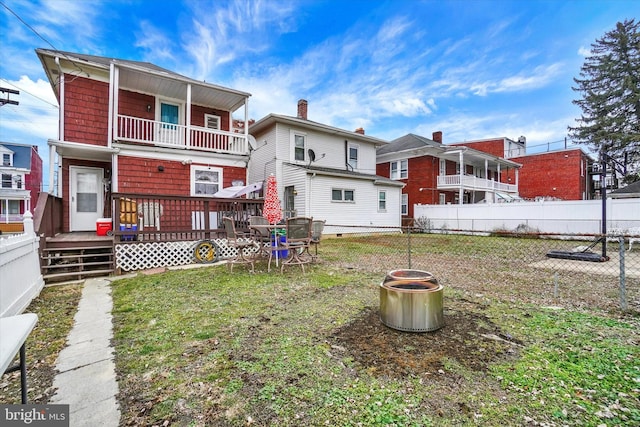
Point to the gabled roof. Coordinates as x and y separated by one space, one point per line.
345 173
143 77
411 145
271 119
630 191
407 142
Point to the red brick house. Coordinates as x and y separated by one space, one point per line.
562 174
440 174
133 127
21 171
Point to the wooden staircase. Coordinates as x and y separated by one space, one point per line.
76 256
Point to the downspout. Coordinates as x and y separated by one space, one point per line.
114 157
111 109
53 172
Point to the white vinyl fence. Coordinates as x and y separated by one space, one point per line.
20 277
571 217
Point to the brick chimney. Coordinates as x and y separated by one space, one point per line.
437 137
360 131
302 109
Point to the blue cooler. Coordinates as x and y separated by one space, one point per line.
283 253
126 237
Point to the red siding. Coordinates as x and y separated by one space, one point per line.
141 176
86 108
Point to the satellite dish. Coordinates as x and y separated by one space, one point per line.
312 155
252 142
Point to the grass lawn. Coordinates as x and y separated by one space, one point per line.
206 347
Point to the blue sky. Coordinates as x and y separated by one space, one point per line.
472 69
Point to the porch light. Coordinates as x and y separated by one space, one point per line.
148 108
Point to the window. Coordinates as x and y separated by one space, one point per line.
442 198
6 159
404 205
6 180
400 169
298 148
457 168
211 121
443 167
14 207
352 161
382 201
18 180
342 195
205 181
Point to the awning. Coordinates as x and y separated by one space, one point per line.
238 190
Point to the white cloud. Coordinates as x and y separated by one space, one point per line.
36 114
584 51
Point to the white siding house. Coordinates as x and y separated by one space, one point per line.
324 172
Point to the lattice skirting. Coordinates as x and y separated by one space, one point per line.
144 255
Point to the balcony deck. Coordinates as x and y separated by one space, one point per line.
144 131
470 182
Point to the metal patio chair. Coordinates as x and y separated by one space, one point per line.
244 244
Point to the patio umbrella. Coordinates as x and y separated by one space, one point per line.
237 191
271 210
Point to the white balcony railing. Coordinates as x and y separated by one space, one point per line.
470 182
135 129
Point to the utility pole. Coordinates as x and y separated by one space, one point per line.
8 92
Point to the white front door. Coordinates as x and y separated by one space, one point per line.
86 203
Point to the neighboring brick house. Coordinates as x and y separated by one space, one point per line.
133 127
440 174
562 174
21 171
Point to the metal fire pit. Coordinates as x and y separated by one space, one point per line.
411 300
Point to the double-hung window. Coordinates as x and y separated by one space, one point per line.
382 201
342 195
404 205
352 161
6 180
205 181
6 159
299 142
400 169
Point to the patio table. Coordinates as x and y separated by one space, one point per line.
14 331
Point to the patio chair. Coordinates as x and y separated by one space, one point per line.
258 226
317 227
244 245
298 239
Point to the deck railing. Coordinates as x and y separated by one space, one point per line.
470 182
144 131
138 217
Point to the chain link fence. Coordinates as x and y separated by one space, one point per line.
577 271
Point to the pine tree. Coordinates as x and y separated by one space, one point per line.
610 88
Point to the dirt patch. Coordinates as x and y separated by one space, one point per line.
468 339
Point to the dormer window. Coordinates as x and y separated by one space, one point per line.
6 159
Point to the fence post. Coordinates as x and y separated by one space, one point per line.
409 244
623 289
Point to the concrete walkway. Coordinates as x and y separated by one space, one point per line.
87 377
